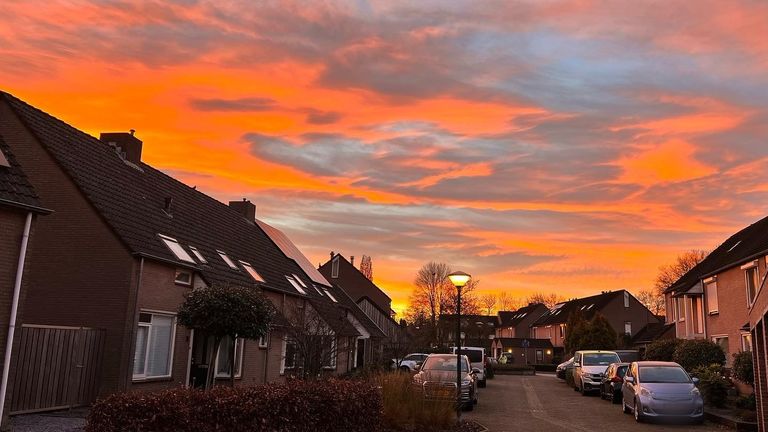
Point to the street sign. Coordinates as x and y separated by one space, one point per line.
525 343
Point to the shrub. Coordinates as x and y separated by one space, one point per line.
712 384
405 407
298 406
742 367
693 353
746 402
662 349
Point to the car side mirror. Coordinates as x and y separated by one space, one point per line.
476 371
630 380
695 381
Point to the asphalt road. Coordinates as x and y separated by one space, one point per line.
544 403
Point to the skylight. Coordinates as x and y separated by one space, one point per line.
198 255
298 279
734 246
330 296
176 248
317 289
251 271
296 285
4 160
227 260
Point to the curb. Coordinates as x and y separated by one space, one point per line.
738 425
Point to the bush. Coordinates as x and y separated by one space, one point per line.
694 353
298 406
405 407
662 349
746 402
712 384
742 367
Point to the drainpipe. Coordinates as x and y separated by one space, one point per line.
14 312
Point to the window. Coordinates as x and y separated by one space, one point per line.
680 306
697 309
628 328
251 271
290 356
298 279
198 255
671 306
153 353
176 248
330 296
710 290
562 330
264 340
626 299
317 289
746 342
723 342
335 267
328 350
539 356
224 359
296 285
227 260
752 284
4 160
183 277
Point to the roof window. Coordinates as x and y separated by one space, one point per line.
4 160
197 254
176 248
734 246
298 279
296 285
251 271
317 289
227 260
330 296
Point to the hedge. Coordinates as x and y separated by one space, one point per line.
299 406
694 353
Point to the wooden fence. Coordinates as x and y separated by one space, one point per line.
56 368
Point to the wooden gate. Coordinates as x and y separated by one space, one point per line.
56 368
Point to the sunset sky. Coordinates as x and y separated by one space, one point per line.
567 146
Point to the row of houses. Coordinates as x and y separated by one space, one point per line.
536 334
722 299
97 251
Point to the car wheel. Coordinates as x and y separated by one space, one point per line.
638 414
615 399
624 406
583 390
481 384
469 406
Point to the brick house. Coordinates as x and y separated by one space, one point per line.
620 308
371 299
19 208
758 324
524 351
476 330
127 242
517 324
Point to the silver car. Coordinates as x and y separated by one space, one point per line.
436 380
661 390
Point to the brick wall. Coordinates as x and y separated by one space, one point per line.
732 309
82 272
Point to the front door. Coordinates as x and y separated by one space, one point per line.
201 350
360 353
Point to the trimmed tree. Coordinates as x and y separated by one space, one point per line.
694 353
596 334
662 349
221 311
743 369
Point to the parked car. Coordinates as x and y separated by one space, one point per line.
409 363
628 356
613 379
562 367
589 367
436 379
661 390
476 357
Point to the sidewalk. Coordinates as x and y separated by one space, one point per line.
59 421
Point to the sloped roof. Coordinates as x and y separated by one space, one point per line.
488 320
653 331
518 342
130 198
292 252
747 244
15 188
354 283
587 306
513 318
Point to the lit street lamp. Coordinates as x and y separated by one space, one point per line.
459 279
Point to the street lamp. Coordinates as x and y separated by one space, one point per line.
459 279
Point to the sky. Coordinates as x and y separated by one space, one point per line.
567 146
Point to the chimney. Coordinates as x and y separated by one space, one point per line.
246 208
126 144
352 261
167 206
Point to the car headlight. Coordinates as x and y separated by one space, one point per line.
466 382
417 379
695 392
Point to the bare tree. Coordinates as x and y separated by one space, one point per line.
470 304
549 300
366 267
670 273
652 300
507 303
311 344
431 290
488 302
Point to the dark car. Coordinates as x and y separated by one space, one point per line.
564 368
628 356
612 382
436 379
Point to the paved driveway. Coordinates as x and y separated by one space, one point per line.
544 403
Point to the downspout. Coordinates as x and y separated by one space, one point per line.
128 380
14 312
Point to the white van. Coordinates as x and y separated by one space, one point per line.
589 367
476 356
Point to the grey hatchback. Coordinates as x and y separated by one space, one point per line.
661 390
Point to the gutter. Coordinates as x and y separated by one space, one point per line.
14 312
674 289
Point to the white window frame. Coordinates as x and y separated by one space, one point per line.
283 357
252 271
143 376
628 324
176 279
747 269
330 296
678 303
717 338
238 363
196 252
227 260
710 293
334 352
264 340
335 267
296 285
745 335
4 160
626 299
176 249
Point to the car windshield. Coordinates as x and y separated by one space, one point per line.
622 371
629 356
600 359
663 374
443 364
475 356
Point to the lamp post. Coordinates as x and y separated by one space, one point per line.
459 279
